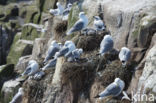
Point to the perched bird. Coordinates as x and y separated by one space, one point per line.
51 63
124 55
80 24
74 55
54 47
68 47
31 69
106 44
112 90
18 97
66 12
98 23
39 75
57 11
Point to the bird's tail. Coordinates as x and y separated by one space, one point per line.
97 96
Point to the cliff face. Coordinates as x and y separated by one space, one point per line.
131 23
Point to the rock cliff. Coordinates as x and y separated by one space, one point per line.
132 23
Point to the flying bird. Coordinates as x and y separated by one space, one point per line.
98 23
80 24
57 11
67 11
124 55
112 90
18 97
54 47
106 44
31 69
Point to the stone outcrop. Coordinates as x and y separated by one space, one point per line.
131 24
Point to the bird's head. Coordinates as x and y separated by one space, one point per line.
119 82
54 43
69 5
81 14
58 4
67 43
96 18
31 61
80 50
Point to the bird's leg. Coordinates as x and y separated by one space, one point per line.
125 96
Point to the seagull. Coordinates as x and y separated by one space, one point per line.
68 47
74 55
124 55
39 75
54 47
51 63
31 69
57 11
18 97
112 90
106 44
67 11
80 24
98 23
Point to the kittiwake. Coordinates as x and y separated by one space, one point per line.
57 11
124 55
66 12
68 47
98 23
80 24
18 97
106 44
54 47
112 90
31 69
51 63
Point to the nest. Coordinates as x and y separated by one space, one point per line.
91 42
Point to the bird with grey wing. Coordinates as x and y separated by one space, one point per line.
66 12
74 55
80 24
57 11
50 64
106 44
124 55
31 68
68 47
18 96
54 47
112 90
98 24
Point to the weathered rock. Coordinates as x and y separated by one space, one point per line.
6 72
9 89
19 48
147 81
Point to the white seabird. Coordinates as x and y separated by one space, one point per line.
112 90
39 75
66 12
98 23
124 55
18 97
31 69
51 63
54 47
68 47
57 11
80 24
74 55
106 44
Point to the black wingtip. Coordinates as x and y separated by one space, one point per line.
97 96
